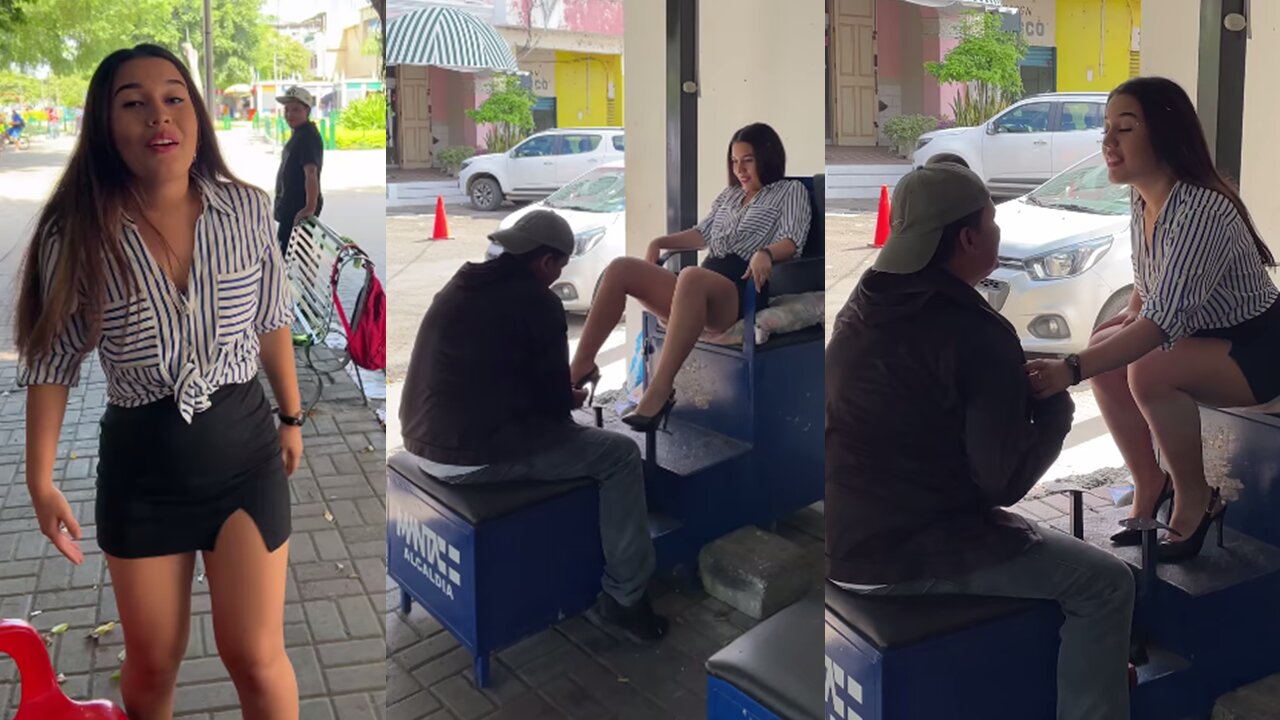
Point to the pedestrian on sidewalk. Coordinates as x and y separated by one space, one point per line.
153 253
298 195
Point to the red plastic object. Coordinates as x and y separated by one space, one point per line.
441 231
882 218
42 699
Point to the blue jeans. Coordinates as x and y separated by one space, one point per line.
613 460
1095 590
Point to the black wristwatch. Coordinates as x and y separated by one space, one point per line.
1073 362
294 420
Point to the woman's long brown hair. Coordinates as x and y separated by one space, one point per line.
85 215
1178 141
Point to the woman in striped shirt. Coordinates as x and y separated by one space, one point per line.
151 252
758 220
1202 325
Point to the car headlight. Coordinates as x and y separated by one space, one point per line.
1069 261
584 241
922 142
464 165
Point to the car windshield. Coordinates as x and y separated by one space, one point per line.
600 190
1083 188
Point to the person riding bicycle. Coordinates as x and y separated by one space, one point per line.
16 125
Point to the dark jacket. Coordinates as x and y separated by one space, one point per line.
488 379
931 428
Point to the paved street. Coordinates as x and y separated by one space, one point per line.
334 631
572 670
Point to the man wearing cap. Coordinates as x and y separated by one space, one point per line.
298 194
932 430
487 398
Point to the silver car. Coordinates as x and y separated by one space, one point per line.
1065 259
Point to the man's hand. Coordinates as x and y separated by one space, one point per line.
302 215
579 397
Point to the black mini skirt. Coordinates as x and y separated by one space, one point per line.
165 487
1255 346
733 267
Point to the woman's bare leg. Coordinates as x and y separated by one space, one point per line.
651 284
246 585
703 300
153 596
1130 431
1167 387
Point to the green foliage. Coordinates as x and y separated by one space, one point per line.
509 109
986 62
450 159
367 113
905 130
359 139
280 56
73 36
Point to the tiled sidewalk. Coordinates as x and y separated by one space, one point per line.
334 632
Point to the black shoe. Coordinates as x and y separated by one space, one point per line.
638 623
1173 551
1126 538
592 378
649 423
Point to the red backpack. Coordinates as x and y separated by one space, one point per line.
367 343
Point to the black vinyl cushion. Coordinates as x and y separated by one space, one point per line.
478 503
774 663
901 620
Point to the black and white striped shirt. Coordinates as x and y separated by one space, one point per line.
1202 271
161 343
780 211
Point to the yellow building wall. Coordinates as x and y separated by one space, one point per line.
1085 25
582 90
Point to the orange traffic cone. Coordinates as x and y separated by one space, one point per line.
441 231
882 218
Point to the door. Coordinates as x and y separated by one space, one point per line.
532 164
853 48
1017 147
415 117
1079 133
581 153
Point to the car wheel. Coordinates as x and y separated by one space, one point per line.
1114 306
486 194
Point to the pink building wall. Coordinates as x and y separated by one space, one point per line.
590 16
888 32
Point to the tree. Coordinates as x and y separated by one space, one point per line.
986 62
281 55
509 108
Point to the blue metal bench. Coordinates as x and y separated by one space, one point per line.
771 671
492 563
904 658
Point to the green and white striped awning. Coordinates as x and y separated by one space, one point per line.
449 38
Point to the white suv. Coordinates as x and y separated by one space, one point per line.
1030 142
539 166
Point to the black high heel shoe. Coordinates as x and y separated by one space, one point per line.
649 423
1126 538
1173 551
592 378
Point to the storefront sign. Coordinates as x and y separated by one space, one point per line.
1037 18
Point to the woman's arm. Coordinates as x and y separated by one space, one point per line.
46 407
690 239
1132 342
278 362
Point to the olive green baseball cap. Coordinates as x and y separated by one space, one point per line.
535 229
925 202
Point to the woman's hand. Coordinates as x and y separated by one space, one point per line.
53 512
290 447
759 268
652 252
1048 377
1123 319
